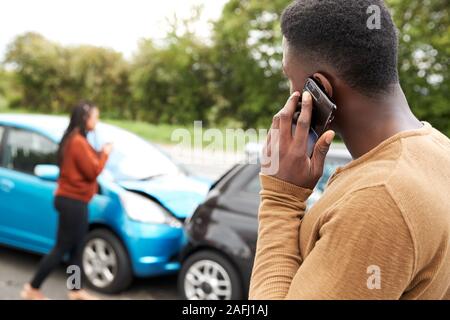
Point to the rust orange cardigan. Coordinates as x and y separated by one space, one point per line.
79 169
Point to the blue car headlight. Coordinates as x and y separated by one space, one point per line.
140 208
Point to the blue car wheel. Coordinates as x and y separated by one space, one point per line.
106 266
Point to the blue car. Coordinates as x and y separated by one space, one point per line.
136 218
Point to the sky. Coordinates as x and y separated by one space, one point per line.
117 24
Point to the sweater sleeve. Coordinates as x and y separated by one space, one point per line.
88 162
365 250
277 256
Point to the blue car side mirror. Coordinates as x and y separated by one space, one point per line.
48 172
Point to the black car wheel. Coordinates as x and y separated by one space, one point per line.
207 275
106 266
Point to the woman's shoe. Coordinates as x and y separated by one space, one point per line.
30 293
81 295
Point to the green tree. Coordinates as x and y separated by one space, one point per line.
10 93
52 77
247 56
41 68
172 82
424 51
3 89
101 75
234 79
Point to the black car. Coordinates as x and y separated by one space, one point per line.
218 259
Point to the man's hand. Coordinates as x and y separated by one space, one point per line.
294 165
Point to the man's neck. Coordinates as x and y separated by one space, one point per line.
378 122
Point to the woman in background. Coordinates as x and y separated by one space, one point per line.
79 166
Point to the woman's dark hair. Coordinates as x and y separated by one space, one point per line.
78 118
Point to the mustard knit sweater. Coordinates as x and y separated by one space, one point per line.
381 230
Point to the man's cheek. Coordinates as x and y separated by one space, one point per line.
295 86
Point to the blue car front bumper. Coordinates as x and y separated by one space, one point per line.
153 248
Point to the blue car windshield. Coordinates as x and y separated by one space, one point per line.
132 158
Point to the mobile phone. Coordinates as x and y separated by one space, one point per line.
322 112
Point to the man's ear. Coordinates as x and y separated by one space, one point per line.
324 81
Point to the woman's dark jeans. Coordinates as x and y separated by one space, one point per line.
72 228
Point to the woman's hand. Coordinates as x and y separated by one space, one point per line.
287 151
107 148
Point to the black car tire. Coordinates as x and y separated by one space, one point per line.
124 275
236 283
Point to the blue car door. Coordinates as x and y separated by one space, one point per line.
27 217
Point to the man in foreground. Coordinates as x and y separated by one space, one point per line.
382 228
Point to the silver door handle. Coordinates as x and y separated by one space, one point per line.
6 185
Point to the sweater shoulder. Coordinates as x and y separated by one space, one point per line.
367 202
79 139
419 186
373 211
77 142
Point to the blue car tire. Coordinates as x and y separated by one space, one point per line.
106 265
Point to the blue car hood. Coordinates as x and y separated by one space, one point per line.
180 194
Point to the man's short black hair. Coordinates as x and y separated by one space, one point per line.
336 32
